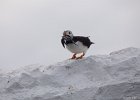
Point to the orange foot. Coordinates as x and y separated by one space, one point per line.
80 56
74 56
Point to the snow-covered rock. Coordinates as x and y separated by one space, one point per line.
103 77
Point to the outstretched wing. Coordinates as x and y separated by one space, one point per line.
63 42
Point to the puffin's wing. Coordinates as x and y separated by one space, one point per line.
85 40
63 42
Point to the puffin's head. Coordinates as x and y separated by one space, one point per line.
68 34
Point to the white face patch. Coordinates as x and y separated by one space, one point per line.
78 47
69 33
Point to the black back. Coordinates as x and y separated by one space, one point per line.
85 40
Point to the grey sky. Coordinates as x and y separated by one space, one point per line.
30 30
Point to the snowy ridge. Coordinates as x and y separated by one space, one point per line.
103 77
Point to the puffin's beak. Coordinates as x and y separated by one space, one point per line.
64 34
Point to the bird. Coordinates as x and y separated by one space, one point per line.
75 44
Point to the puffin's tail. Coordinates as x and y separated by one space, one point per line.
92 43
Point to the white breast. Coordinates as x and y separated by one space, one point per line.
78 47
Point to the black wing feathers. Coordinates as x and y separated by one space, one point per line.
85 40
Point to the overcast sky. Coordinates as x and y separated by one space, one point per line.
31 30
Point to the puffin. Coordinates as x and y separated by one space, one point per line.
75 44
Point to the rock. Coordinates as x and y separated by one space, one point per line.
102 77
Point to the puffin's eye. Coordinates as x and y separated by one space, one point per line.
69 32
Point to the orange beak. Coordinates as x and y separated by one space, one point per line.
64 34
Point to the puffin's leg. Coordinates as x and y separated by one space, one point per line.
81 56
74 56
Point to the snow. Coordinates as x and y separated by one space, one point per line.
102 77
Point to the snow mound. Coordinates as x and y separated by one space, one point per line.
103 77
